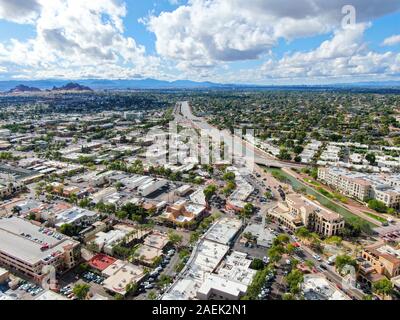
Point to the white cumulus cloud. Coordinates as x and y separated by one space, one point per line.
391 41
345 55
19 11
205 32
79 37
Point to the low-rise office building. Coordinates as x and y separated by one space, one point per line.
204 261
152 186
299 211
230 281
317 287
123 276
75 216
182 212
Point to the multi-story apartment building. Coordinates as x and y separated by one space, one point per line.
362 186
28 248
349 183
299 211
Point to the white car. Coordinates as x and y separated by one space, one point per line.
317 257
158 269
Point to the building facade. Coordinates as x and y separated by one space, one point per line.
28 248
298 211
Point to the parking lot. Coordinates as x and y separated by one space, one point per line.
166 268
25 291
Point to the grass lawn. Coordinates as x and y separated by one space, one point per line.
315 183
374 216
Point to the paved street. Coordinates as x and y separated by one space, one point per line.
235 143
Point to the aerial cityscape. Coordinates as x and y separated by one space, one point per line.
199 150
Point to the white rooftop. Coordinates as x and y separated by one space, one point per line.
317 287
24 240
224 230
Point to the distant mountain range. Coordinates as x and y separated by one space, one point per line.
104 84
23 88
70 86
100 84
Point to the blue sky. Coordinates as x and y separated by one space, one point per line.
262 41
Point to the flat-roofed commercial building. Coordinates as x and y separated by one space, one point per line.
75 216
317 287
327 223
27 248
204 261
224 231
151 186
230 281
128 274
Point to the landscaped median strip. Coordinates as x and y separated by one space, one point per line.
376 217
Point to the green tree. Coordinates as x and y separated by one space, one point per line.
121 214
174 238
294 279
344 260
371 158
229 176
275 253
81 290
84 203
288 296
303 232
152 295
281 239
164 280
194 237
383 287
73 198
209 191
131 288
118 185
290 248
284 155
247 211
68 229
334 240
268 195
119 296
257 264
377 205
